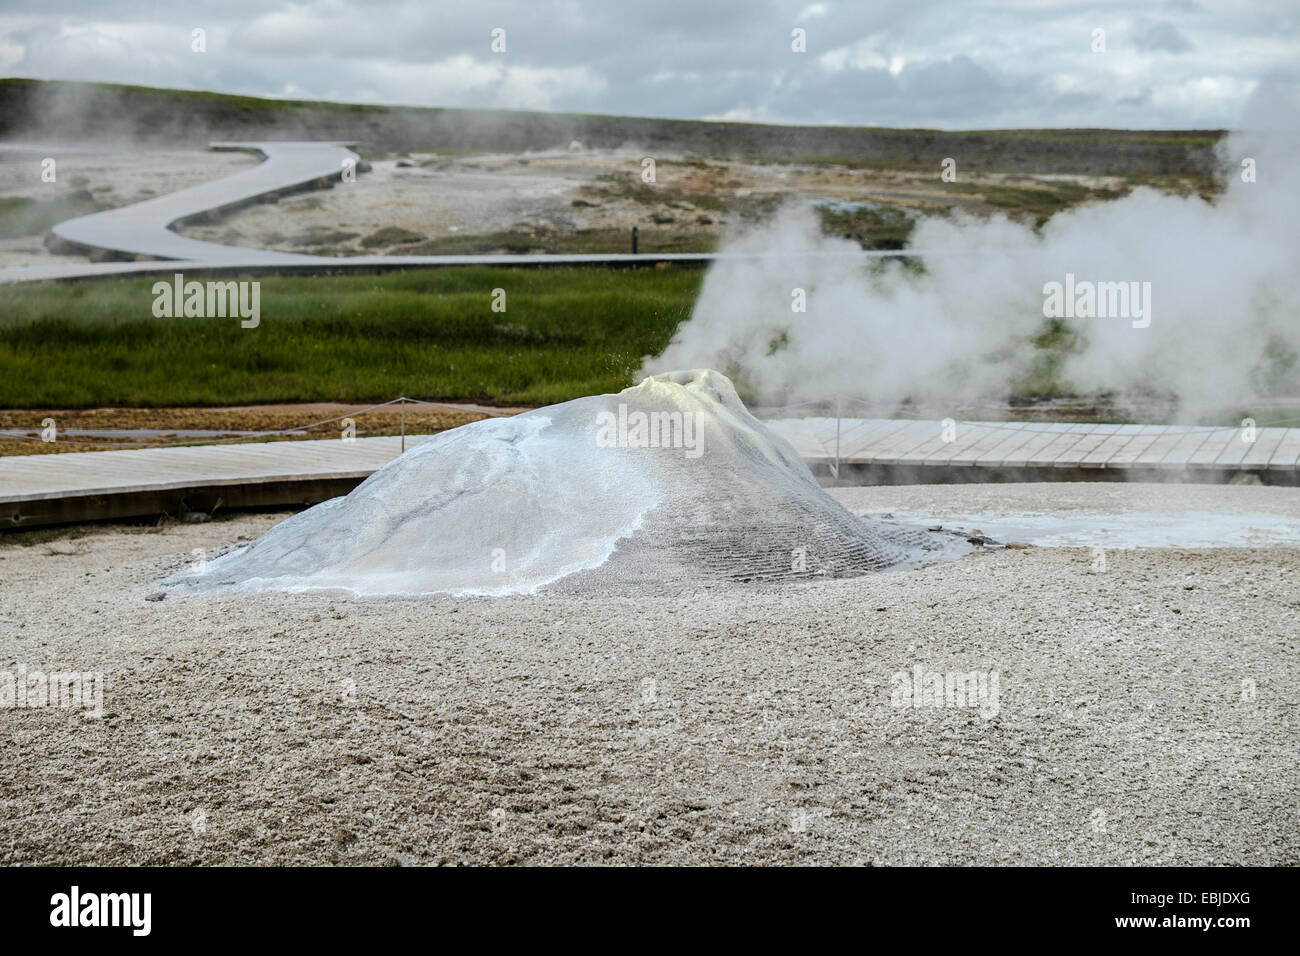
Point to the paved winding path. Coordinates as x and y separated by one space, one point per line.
144 229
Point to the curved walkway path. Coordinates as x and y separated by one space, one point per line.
144 229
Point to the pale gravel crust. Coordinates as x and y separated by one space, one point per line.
115 177
315 729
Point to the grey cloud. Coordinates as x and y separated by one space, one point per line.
997 63
1162 37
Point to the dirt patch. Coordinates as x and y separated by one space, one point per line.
171 425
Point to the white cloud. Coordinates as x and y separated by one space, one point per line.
739 114
1203 94
524 87
861 55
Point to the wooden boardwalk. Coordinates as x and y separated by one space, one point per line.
1037 451
52 489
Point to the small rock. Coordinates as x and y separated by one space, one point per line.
195 517
155 596
936 527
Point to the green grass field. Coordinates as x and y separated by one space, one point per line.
427 334
431 334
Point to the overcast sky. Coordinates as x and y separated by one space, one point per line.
1166 64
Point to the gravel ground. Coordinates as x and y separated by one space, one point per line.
1143 714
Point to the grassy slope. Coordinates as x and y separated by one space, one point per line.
427 334
89 111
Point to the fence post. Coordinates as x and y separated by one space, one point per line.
403 423
836 470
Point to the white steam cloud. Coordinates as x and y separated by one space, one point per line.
1224 285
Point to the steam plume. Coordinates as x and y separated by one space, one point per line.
1225 289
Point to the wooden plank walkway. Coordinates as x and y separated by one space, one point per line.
1077 450
49 489
54 488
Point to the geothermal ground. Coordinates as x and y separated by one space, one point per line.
91 179
738 724
588 200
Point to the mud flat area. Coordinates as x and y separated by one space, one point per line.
1144 714
588 200
560 200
